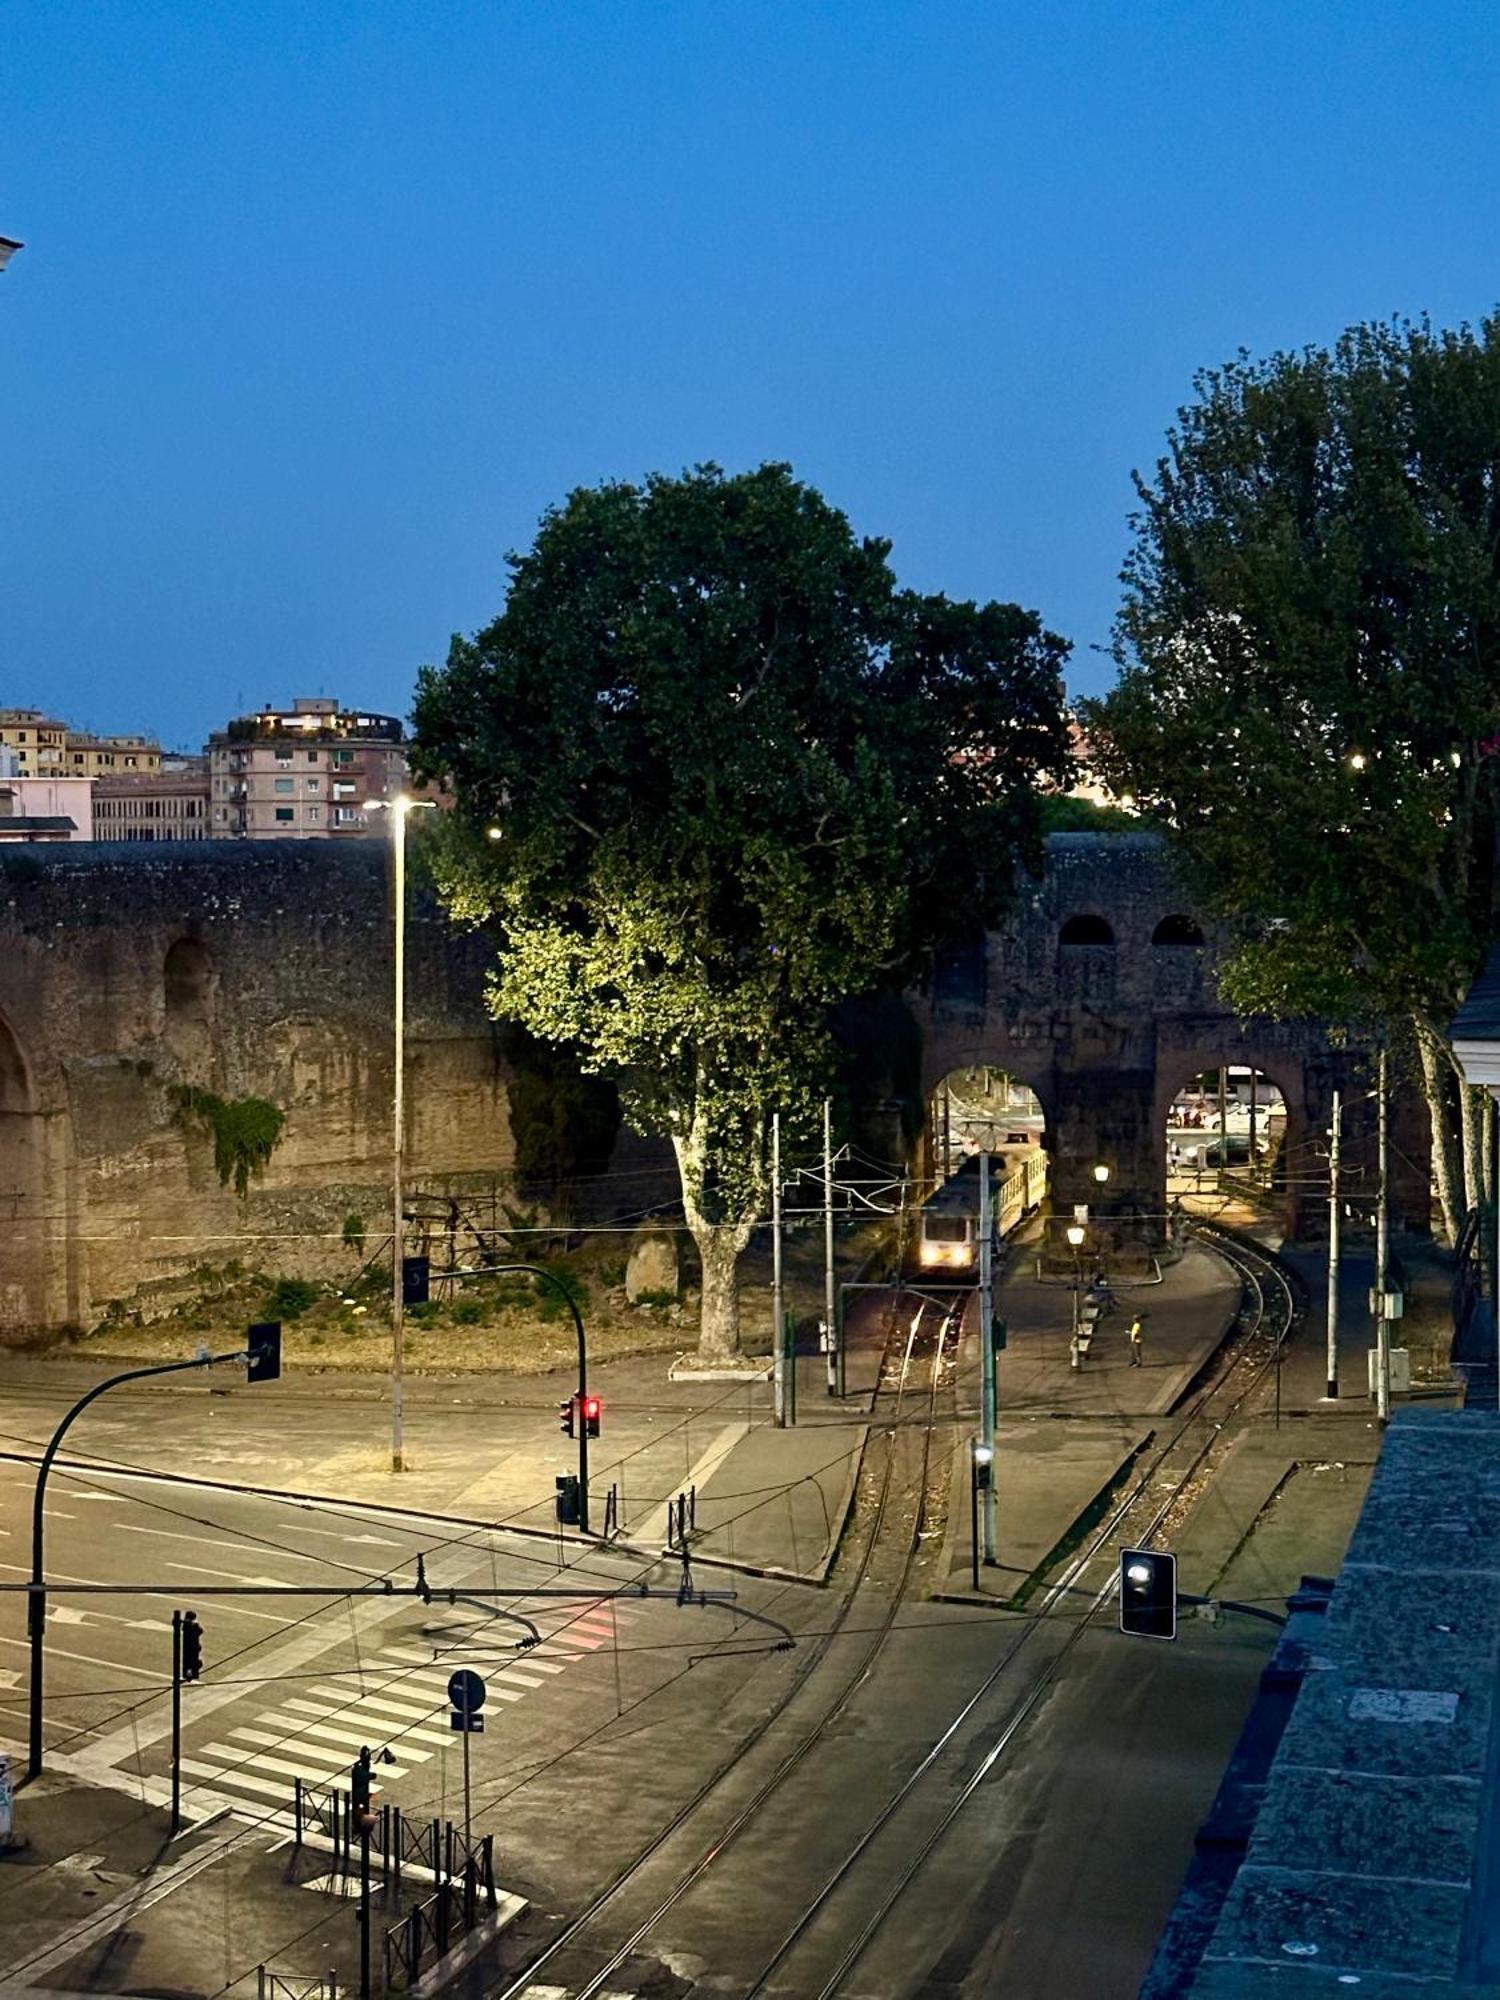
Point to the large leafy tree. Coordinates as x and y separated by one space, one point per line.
1310 685
716 774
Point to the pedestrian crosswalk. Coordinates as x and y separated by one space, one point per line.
395 1701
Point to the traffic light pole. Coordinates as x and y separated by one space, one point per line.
176 1722
36 1625
536 1271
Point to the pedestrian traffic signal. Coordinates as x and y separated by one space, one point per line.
590 1415
984 1466
1148 1593
416 1280
567 1499
263 1352
192 1646
565 1417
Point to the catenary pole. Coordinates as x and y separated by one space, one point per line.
987 1351
1382 1247
1335 1134
778 1315
830 1294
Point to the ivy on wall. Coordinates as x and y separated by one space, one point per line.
245 1130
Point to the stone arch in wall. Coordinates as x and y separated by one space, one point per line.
1280 1067
23 1273
189 1001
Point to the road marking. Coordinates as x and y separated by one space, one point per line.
90 1660
316 1759
411 1732
238 1576
209 1542
354 1738
244 1781
235 1761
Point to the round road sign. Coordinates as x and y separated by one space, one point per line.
466 1691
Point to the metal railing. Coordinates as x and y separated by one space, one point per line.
431 1928
294 1986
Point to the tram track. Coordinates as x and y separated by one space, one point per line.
1269 1313
975 1740
1270 1307
894 1381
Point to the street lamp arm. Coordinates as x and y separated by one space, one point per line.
551 1278
37 1602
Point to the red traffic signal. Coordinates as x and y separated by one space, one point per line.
192 1647
591 1407
565 1417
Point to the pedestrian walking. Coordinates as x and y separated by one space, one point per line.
1135 1340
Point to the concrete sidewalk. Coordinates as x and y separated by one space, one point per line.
102 1900
1066 1437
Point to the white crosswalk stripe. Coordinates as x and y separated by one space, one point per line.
396 1700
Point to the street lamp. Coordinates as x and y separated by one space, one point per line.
398 807
1076 1235
1101 1173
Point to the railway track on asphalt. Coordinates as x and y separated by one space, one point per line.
918 1350
974 1743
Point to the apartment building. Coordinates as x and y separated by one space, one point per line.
35 739
170 804
42 808
45 747
304 773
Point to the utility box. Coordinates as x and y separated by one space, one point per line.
1400 1370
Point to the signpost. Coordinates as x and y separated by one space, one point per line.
466 1691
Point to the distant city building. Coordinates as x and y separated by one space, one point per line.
46 747
304 773
35 738
50 808
170 804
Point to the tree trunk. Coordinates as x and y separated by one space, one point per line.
1487 1142
1437 1073
720 1246
1472 1124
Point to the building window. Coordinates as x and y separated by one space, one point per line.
283 756
314 784
312 756
285 813
285 785
343 788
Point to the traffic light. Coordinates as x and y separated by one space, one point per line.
999 1335
590 1415
567 1499
1148 1593
192 1646
263 1352
565 1417
984 1466
416 1280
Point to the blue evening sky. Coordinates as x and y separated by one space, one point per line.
323 302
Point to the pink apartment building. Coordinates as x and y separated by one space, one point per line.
304 773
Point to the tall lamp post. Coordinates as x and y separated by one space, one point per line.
398 807
1075 1242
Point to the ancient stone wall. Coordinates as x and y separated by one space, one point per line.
1099 993
265 970
247 970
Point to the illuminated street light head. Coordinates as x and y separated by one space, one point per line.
1357 760
1076 1235
1101 1173
494 833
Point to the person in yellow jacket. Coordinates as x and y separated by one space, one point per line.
1135 1339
